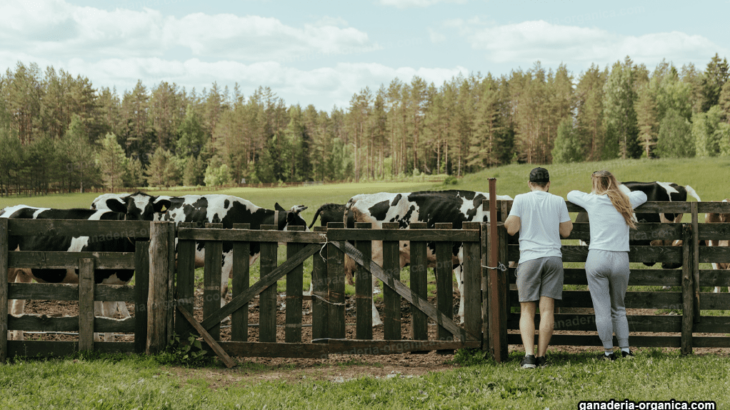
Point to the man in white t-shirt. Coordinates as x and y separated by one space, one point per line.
541 219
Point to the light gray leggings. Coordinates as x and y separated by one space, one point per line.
608 278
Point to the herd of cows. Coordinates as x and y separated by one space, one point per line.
430 207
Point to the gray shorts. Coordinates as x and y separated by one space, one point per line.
540 277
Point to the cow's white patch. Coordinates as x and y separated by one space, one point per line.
668 187
100 201
78 243
15 208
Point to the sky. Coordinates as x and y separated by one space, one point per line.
322 52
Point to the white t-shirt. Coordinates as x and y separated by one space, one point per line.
540 214
609 231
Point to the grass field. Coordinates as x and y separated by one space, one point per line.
111 382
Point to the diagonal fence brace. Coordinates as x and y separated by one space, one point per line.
208 338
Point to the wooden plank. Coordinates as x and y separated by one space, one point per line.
687 289
384 347
638 277
43 323
171 266
713 324
709 341
63 260
207 338
485 287
633 300
713 207
241 282
336 292
185 283
38 348
320 289
232 235
267 298
444 280
711 254
86 304
262 349
405 293
4 291
419 284
294 284
719 277
69 291
212 280
587 322
643 232
714 301
264 282
471 277
157 303
391 299
649 254
593 340
141 294
431 235
364 288
647 208
95 230
716 231
504 296
695 262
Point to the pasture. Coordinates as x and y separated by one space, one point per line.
398 381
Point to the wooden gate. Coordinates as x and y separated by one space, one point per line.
680 331
86 292
328 247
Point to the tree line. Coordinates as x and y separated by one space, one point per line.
59 131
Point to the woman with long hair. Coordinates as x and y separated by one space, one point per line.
610 209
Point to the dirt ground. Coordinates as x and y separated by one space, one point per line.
337 368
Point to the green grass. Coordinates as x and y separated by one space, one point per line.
120 382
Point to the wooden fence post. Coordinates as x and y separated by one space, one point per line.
294 283
241 282
212 280
157 303
141 293
695 260
471 277
336 293
185 283
444 283
3 289
320 310
687 288
485 287
364 289
267 298
419 284
170 302
86 304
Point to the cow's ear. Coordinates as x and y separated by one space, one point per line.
278 207
297 208
161 204
116 205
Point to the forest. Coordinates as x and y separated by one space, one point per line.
58 132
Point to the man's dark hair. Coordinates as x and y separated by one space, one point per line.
540 184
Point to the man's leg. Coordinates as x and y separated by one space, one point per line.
547 322
527 326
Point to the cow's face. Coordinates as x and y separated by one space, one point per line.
291 217
136 207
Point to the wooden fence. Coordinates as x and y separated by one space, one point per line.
573 324
86 292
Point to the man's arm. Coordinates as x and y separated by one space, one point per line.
566 228
513 225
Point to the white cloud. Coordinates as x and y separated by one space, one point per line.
402 4
57 28
529 41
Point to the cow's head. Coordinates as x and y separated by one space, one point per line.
137 207
290 217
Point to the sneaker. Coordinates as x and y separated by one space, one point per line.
541 361
610 357
627 355
528 362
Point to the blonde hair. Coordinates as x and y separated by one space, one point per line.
605 183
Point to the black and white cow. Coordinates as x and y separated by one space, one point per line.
335 213
224 209
430 207
55 243
659 192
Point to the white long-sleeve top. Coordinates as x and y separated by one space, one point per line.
609 231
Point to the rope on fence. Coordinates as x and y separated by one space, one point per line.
500 266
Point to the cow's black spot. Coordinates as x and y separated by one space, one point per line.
379 210
396 199
226 203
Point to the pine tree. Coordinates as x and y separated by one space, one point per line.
134 173
715 76
675 137
646 109
704 132
724 102
162 170
590 117
190 174
567 148
112 162
622 129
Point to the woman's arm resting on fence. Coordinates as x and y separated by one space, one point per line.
512 224
637 198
